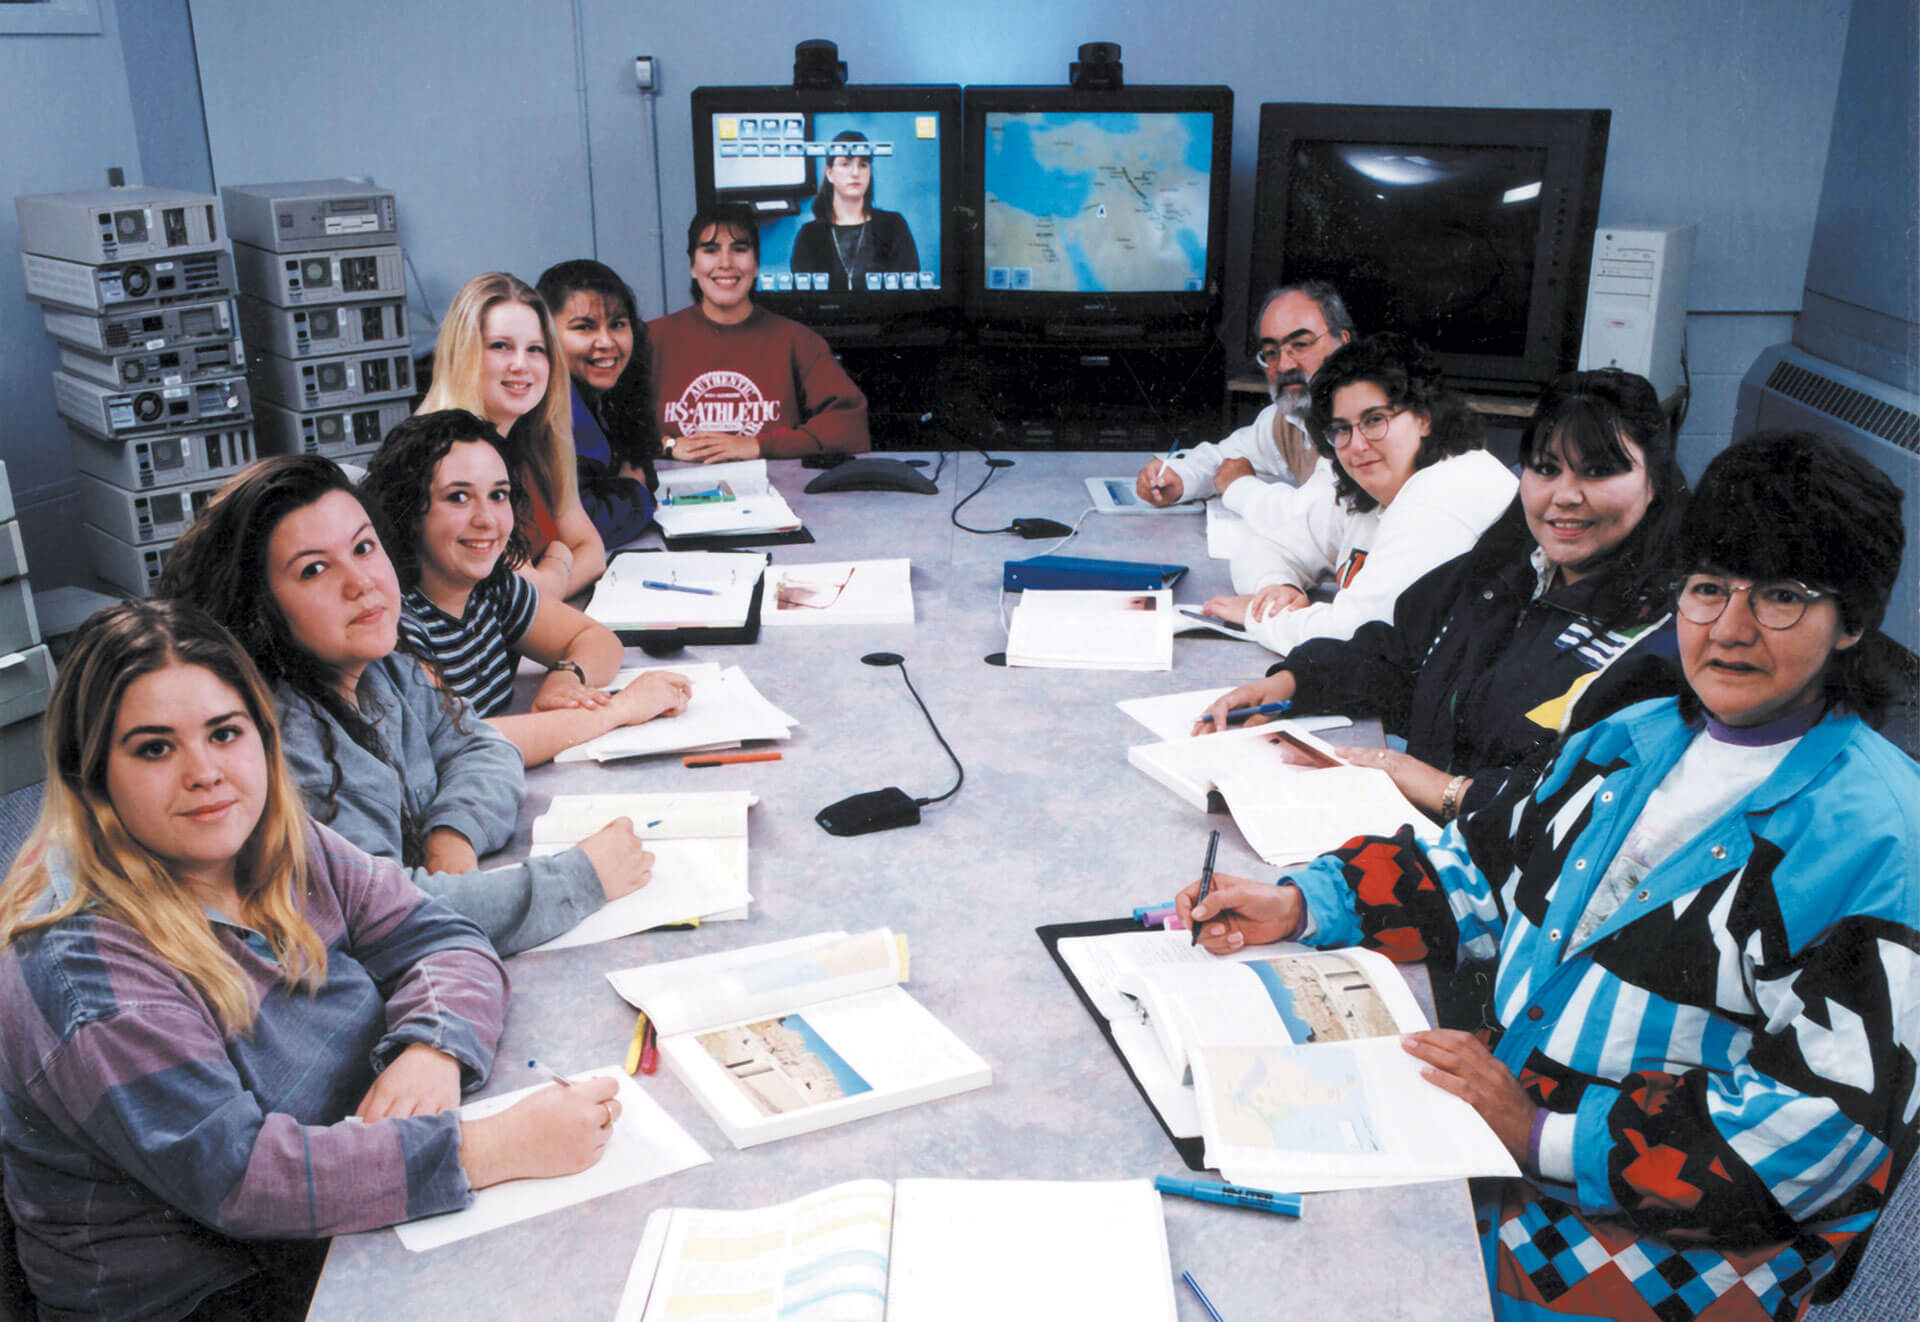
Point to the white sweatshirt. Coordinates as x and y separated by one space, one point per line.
1373 557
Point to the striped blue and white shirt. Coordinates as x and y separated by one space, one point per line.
476 652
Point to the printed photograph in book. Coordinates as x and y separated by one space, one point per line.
1291 1099
1325 998
782 1065
799 589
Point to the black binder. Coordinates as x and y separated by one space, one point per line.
728 541
661 642
1191 1150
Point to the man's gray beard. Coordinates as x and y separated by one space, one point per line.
1293 409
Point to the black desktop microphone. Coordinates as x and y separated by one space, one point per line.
883 810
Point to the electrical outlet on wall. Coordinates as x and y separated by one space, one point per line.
646 71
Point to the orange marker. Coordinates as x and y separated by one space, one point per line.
726 759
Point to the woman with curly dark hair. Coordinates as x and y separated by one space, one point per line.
1410 486
610 364
287 557
441 486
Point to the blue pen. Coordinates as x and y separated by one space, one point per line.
658 586
1230 1195
1264 709
1201 1295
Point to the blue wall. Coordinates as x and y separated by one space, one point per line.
513 134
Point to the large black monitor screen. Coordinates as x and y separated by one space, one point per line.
1084 202
1442 238
850 200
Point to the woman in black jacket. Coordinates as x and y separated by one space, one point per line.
1562 603
849 238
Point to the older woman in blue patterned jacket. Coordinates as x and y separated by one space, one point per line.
1705 915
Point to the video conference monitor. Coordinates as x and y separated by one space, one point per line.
854 188
1097 210
1470 229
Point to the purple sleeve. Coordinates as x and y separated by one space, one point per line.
444 985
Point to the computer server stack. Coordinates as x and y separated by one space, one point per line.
323 310
137 287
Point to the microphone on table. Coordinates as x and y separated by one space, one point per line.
886 809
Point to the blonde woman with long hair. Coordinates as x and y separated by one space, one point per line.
226 1033
496 356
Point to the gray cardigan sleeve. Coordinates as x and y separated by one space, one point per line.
469 780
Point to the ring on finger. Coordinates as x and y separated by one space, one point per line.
608 1122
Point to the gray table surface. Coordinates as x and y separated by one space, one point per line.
1051 826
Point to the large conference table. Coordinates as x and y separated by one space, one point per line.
1052 826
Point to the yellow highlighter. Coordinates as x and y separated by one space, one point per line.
634 1047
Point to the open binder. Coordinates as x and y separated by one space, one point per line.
741 623
1191 1150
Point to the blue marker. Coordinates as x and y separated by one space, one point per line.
1264 709
658 586
1230 1195
1201 1295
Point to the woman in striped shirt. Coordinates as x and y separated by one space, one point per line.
449 503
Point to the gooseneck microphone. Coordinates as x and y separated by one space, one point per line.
885 809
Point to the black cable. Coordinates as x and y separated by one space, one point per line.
937 735
993 466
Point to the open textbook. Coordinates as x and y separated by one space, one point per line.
721 499
1288 812
839 592
699 847
1269 1023
797 1035
1092 630
912 1251
646 1143
724 711
668 590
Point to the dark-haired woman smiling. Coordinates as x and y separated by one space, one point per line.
1562 604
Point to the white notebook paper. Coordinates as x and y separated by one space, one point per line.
699 847
1092 630
646 1144
839 592
677 590
724 710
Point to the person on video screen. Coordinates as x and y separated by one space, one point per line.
849 238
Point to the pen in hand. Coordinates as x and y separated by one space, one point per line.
1206 886
554 1075
1241 713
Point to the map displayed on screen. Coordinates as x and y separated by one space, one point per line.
1097 202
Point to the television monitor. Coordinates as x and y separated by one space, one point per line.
1097 213
1470 229
771 147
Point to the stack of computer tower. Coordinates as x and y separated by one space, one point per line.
136 285
324 313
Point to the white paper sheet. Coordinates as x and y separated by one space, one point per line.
839 592
1092 630
646 1144
964 1250
691 879
722 712
1171 715
1227 532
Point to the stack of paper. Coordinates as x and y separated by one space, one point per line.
724 711
699 847
841 592
677 590
797 1035
1288 812
714 500
912 1251
1081 630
